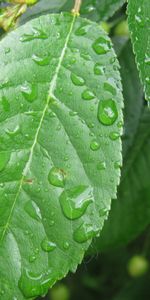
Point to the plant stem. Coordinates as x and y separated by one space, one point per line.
76 9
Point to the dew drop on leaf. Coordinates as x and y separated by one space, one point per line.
101 46
36 34
88 95
4 159
41 61
98 69
85 232
47 245
101 165
94 145
77 80
75 201
110 88
82 30
29 91
56 177
33 210
107 112
114 136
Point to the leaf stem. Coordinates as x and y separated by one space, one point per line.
76 9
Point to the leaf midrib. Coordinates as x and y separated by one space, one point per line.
51 90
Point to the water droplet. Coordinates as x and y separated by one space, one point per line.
103 212
75 201
114 136
56 177
98 69
33 210
33 284
107 112
85 55
94 145
117 165
82 30
5 104
85 232
13 132
66 245
29 91
32 258
101 46
138 19
77 80
41 61
4 159
88 95
36 34
110 87
101 165
47 245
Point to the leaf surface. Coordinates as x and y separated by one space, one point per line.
61 120
139 20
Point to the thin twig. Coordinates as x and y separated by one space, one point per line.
76 9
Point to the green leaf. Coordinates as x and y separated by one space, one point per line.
96 10
57 152
130 213
138 19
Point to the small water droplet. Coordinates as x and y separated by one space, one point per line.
32 258
114 136
37 33
82 30
77 80
57 177
4 159
101 165
75 201
29 91
98 69
107 112
41 61
101 46
33 210
110 87
94 145
87 9
117 164
88 95
85 232
47 245
66 245
147 59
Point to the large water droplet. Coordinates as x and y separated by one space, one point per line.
88 95
4 159
77 80
85 232
29 91
33 210
101 46
107 112
56 177
94 145
47 245
75 201
41 61
33 284
36 34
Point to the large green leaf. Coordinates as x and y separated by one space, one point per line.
139 20
60 148
96 10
